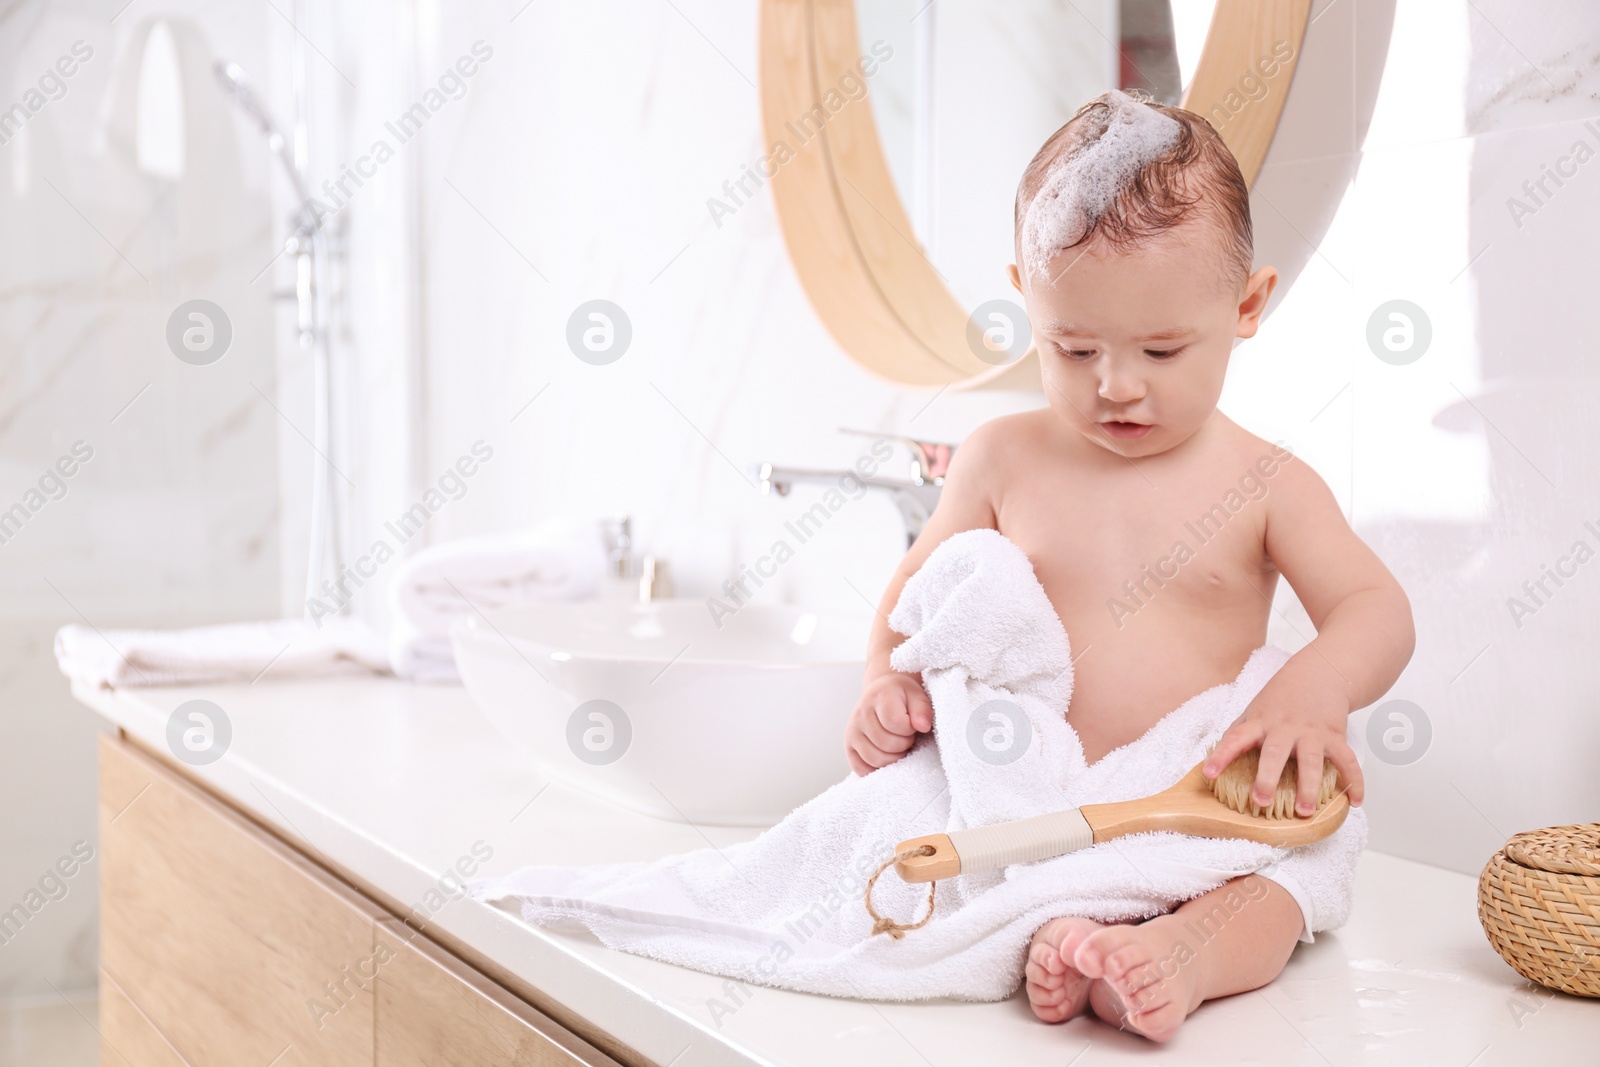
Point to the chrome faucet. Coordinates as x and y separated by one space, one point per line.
648 573
914 498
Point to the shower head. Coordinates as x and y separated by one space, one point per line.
231 77
233 81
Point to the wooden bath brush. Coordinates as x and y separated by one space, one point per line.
1220 808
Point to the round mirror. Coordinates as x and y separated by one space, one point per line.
897 131
958 64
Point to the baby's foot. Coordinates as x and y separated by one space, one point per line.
1145 977
1055 988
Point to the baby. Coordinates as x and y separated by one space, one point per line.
1133 231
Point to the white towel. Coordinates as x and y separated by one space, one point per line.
559 559
785 909
239 651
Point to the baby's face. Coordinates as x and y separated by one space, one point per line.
1134 346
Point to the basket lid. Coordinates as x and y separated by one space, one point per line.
1558 849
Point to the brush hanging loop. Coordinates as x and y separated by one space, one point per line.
884 925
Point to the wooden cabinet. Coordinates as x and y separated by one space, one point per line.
221 945
224 937
434 1010
128 1037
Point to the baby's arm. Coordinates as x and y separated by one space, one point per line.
894 707
1365 637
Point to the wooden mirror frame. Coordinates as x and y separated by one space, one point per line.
847 231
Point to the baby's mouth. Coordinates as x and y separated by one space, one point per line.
1125 430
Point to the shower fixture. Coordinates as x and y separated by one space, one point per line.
307 243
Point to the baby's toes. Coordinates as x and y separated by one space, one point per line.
1052 1005
1141 992
1157 1017
1104 1002
1094 954
1044 957
1156 1021
1128 967
1039 978
1056 991
1048 998
1138 1001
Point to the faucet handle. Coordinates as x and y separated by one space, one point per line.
617 532
655 583
931 458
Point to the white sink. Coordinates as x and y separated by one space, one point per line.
657 708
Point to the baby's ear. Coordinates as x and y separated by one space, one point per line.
1016 279
1258 291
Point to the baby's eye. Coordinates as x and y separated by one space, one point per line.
1162 355
1075 353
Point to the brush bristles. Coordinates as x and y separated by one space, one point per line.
1234 785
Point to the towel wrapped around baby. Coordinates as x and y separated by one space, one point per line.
785 909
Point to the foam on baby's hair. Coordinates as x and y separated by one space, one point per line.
1079 188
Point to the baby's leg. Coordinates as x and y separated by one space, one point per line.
1152 975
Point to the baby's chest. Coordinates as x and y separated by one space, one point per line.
1195 549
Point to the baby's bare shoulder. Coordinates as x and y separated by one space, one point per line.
985 464
1239 449
1009 439
1273 469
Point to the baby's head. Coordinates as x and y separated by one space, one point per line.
1133 231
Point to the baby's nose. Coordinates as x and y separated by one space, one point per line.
1121 388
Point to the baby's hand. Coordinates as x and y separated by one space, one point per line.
1300 713
893 709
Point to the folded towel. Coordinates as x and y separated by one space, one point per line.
420 657
785 909
559 559
240 651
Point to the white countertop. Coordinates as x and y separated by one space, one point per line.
394 783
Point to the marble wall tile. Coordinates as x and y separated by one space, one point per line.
172 519
1531 64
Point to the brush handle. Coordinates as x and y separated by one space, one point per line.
986 848
1187 807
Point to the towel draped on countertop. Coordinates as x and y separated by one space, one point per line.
785 909
562 558
227 652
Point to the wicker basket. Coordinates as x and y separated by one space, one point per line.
1539 902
